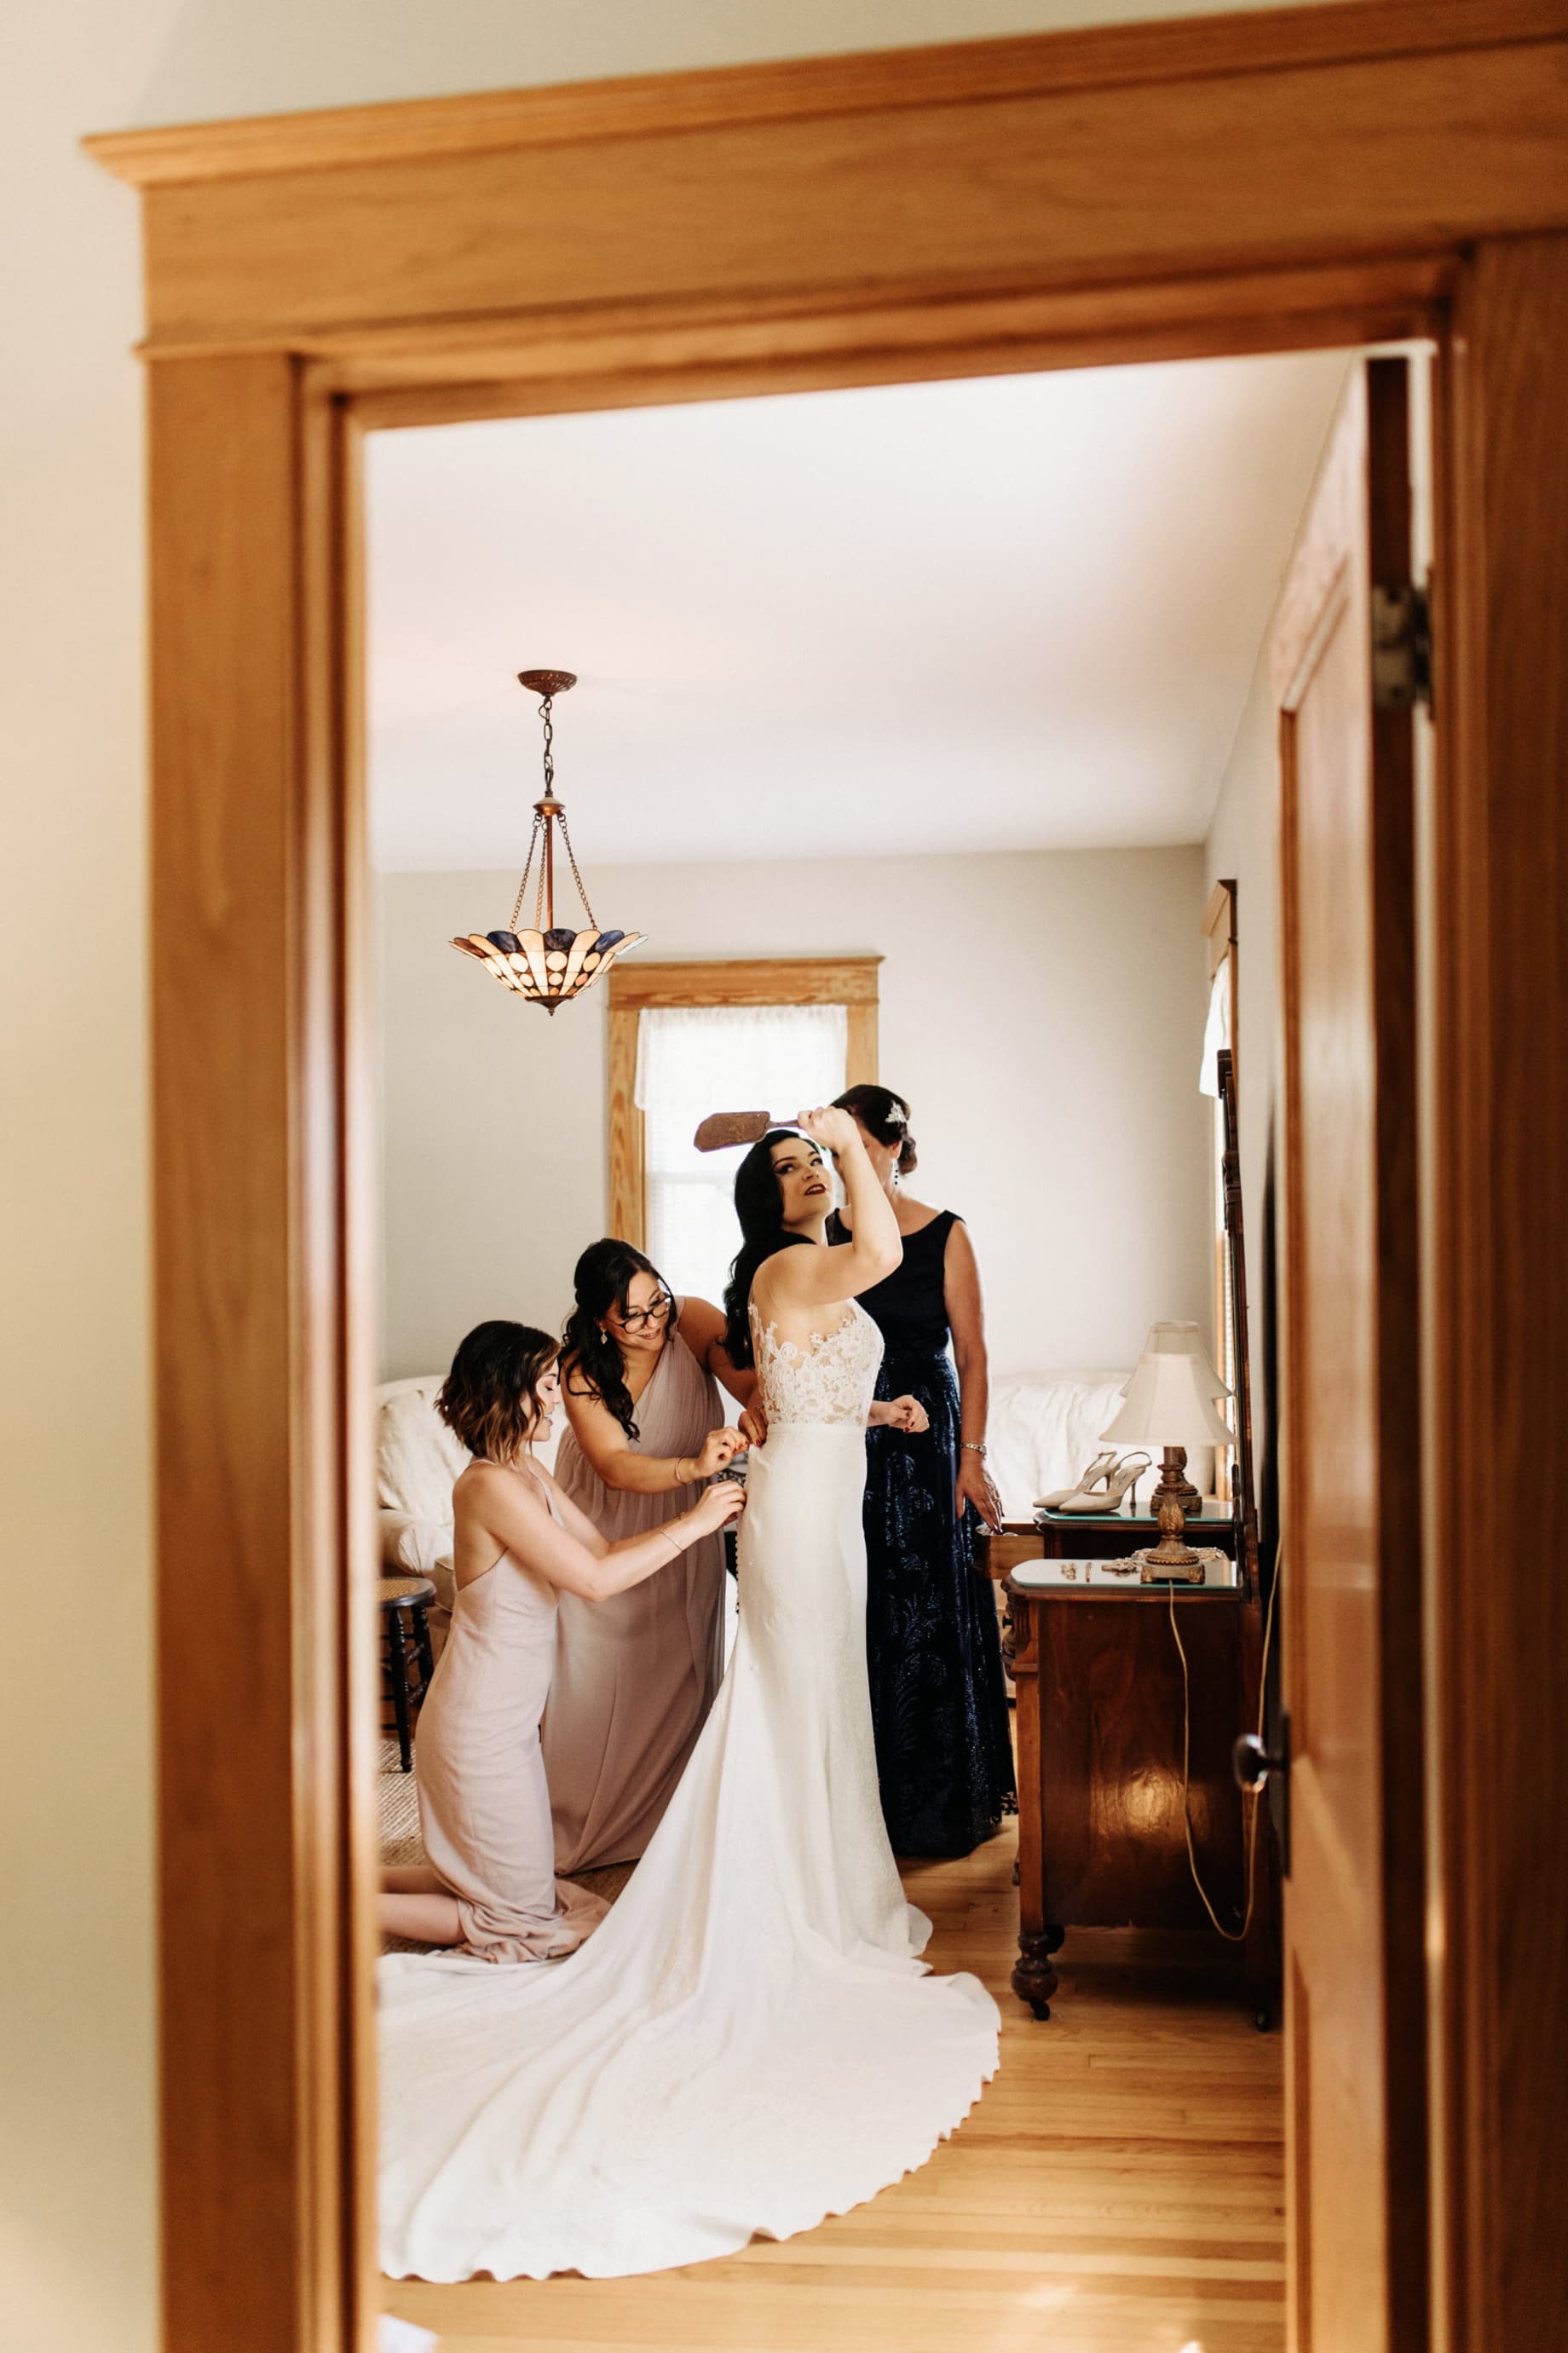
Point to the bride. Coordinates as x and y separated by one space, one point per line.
749 2042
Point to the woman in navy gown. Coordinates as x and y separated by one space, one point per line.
939 1700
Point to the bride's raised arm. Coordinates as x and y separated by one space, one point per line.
814 1278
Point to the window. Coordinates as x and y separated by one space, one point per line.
688 1039
693 1060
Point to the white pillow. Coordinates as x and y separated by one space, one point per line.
417 1457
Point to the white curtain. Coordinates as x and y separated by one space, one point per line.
694 1060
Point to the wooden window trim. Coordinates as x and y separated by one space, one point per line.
849 981
1334 175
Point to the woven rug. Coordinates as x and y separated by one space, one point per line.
400 1841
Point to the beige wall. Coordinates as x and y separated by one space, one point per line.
1042 1013
76 2223
76 2152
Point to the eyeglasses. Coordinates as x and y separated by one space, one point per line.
635 1319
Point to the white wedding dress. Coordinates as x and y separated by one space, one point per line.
749 2042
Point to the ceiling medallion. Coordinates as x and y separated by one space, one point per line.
549 964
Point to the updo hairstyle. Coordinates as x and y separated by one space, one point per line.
491 1397
885 1115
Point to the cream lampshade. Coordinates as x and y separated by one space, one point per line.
1170 1403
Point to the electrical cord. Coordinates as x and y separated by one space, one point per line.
1232 1935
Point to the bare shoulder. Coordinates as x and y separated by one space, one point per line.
958 1259
574 1382
783 1272
700 1325
486 1487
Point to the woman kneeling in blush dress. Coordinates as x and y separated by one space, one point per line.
490 1884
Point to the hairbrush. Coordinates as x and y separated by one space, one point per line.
722 1128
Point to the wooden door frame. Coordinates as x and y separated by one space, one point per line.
1331 176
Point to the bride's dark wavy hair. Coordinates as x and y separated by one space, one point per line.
759 1206
883 1114
590 1361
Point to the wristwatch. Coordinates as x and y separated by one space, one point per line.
973 1446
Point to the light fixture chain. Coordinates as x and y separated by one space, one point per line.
522 886
571 860
545 713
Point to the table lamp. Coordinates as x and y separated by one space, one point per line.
1170 1403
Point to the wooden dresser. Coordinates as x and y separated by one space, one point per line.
1120 1749
1101 1708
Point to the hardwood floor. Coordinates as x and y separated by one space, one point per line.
1119 2185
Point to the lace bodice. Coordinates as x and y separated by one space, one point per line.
831 1380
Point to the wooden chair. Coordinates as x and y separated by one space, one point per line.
407 1663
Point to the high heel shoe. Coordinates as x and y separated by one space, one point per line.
1126 1474
1101 1468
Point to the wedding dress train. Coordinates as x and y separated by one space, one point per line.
750 2041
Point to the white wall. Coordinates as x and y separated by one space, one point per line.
1050 1054
78 2255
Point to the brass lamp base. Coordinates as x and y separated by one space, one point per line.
1173 1481
1172 1560
1173 1564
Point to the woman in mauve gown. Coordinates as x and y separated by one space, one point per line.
489 1885
636 1677
939 1699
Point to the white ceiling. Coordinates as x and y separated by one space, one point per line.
1019 612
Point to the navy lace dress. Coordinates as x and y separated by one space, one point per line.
938 1701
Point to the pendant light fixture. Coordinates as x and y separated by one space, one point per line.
549 964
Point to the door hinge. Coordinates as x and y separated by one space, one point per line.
1401 647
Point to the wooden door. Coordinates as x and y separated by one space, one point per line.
1351 1611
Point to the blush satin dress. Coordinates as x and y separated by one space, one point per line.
484 1807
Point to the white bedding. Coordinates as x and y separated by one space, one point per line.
1044 1431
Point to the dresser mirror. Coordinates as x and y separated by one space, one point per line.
1243 1505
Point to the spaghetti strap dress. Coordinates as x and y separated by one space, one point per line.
933 1648
484 1806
